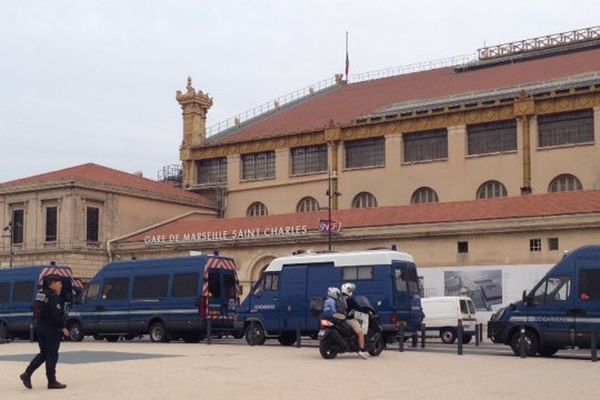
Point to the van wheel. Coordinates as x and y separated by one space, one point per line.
548 351
378 347
287 338
255 334
75 332
448 335
531 343
158 333
112 338
466 338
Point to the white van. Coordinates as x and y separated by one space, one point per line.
442 315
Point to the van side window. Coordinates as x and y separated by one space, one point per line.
92 292
4 292
115 288
150 287
471 306
269 282
185 285
463 307
357 273
556 288
589 284
23 291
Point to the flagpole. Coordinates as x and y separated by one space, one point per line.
347 58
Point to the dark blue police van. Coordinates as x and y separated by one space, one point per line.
165 298
279 303
561 311
18 287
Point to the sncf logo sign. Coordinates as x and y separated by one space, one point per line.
325 226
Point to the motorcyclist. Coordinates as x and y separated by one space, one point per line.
346 306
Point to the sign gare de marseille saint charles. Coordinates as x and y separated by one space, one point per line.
241 234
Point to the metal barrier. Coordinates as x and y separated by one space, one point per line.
423 329
401 338
459 338
415 339
208 331
298 336
594 347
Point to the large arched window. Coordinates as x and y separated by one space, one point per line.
257 209
565 183
424 195
364 200
491 189
307 204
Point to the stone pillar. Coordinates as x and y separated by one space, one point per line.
524 108
195 106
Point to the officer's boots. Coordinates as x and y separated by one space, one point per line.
26 379
56 385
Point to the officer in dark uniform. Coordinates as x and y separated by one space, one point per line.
49 312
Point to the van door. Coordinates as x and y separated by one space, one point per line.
264 300
22 306
293 304
587 303
407 298
113 308
551 310
88 309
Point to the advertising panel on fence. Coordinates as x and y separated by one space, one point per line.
491 287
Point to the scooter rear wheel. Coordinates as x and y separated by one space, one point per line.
378 347
327 351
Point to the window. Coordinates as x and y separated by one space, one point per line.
212 170
257 209
491 189
553 289
307 204
492 137
566 128
4 292
424 195
357 273
92 292
425 146
150 287
407 279
464 309
309 159
23 292
553 244
185 285
364 200
589 284
535 244
471 306
565 183
115 288
365 153
463 247
92 224
229 281
258 165
270 282
18 221
51 224
214 284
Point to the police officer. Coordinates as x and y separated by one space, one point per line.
49 311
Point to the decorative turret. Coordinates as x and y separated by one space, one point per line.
195 105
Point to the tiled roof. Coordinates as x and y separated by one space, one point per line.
531 206
351 101
97 174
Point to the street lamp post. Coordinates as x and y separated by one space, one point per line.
330 195
9 228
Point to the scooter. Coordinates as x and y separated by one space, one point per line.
336 337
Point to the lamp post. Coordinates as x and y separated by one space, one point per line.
9 228
330 195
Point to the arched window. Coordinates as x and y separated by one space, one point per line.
364 200
565 183
307 204
424 195
490 190
257 209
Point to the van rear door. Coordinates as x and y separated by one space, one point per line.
407 298
587 303
293 300
220 292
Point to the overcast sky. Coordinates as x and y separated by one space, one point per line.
95 81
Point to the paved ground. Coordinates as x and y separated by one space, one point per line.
142 370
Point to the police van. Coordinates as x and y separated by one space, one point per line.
279 303
18 287
562 310
165 298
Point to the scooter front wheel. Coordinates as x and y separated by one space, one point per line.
327 351
378 347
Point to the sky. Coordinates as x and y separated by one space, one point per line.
95 81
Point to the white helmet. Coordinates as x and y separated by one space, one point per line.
334 293
348 289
